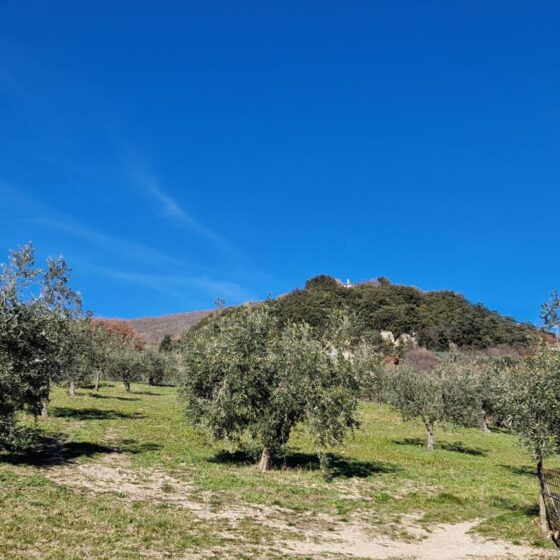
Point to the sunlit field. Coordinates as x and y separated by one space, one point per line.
123 476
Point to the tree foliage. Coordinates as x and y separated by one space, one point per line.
245 375
160 366
36 309
550 312
447 393
166 344
531 401
80 353
440 319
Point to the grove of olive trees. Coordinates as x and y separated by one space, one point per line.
252 376
46 339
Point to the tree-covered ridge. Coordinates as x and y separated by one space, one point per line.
438 319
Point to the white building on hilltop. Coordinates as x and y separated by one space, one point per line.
348 284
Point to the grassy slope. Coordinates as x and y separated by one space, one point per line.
382 473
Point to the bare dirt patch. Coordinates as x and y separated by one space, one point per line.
443 542
114 474
311 536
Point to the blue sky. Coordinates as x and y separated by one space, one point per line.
176 152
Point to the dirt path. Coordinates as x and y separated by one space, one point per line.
318 537
444 542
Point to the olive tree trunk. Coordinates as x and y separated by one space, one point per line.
430 434
545 526
484 424
126 384
45 399
72 389
97 378
266 460
45 407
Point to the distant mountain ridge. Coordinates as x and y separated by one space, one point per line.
153 329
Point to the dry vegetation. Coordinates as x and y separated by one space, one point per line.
153 329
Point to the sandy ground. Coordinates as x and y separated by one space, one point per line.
445 542
325 537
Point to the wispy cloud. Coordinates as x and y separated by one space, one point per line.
177 284
45 215
170 206
186 281
125 248
179 216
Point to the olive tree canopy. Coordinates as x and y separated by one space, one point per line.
446 393
531 402
35 309
244 375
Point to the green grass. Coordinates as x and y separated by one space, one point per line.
381 474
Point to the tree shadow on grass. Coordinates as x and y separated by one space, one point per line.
98 396
519 513
53 451
134 447
93 414
457 446
91 386
47 451
521 471
337 466
239 457
529 510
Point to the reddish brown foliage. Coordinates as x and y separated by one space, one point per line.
123 330
153 329
392 360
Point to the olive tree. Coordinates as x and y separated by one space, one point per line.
550 312
445 393
166 344
12 399
81 354
35 307
125 362
531 402
371 367
123 352
160 366
244 375
100 352
482 383
103 344
490 386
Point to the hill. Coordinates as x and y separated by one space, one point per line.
153 329
438 319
